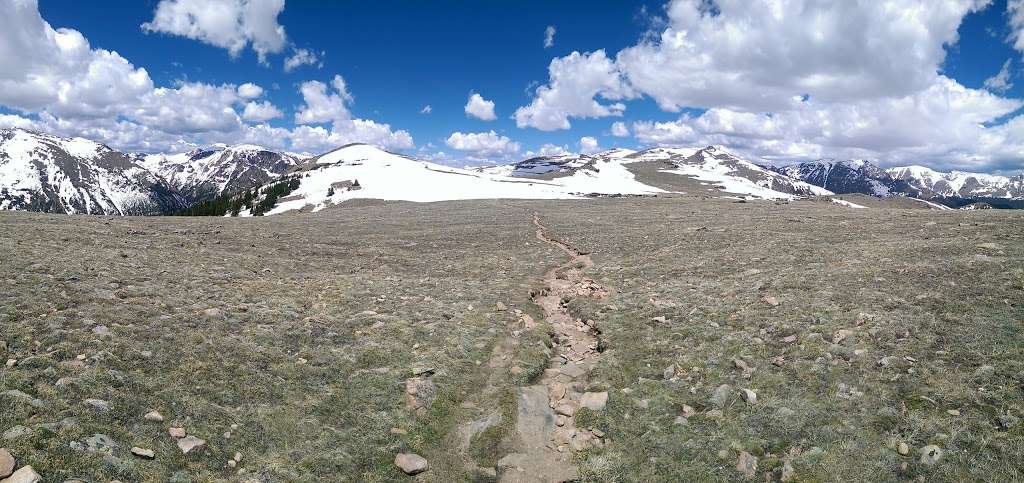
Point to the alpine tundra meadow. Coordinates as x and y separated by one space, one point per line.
273 241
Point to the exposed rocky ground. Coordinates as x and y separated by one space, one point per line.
614 339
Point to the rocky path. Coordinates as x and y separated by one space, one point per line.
545 424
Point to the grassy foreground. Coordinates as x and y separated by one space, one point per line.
289 340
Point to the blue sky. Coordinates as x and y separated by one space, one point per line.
396 57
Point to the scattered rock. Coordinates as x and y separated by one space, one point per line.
154 416
659 319
747 464
500 307
990 246
720 395
594 401
770 301
841 335
789 339
24 398
953 412
190 443
788 472
930 455
688 412
24 475
101 330
411 463
98 405
669 372
11 363
213 313
143 453
1008 421
903 449
565 409
6 463
100 443
398 431
985 371
419 394
177 432
748 396
16 432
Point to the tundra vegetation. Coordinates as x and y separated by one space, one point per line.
799 341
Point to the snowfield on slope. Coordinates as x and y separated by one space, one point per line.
715 172
387 176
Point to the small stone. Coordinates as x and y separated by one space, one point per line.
190 443
100 443
771 301
669 372
101 330
953 412
24 475
154 416
6 463
238 456
177 432
903 449
143 452
841 336
411 463
748 396
232 463
742 365
747 464
11 363
789 339
720 395
688 412
595 401
659 319
930 455
398 431
500 307
213 313
98 405
565 409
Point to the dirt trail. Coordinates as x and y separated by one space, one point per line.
545 425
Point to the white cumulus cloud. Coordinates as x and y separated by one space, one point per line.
322 104
301 57
575 81
589 145
228 24
480 108
261 111
483 145
250 91
620 130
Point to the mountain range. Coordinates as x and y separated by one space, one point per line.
43 172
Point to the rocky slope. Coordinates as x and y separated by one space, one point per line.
857 176
732 174
204 173
957 184
841 177
42 172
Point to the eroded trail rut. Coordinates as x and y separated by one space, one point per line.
546 426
